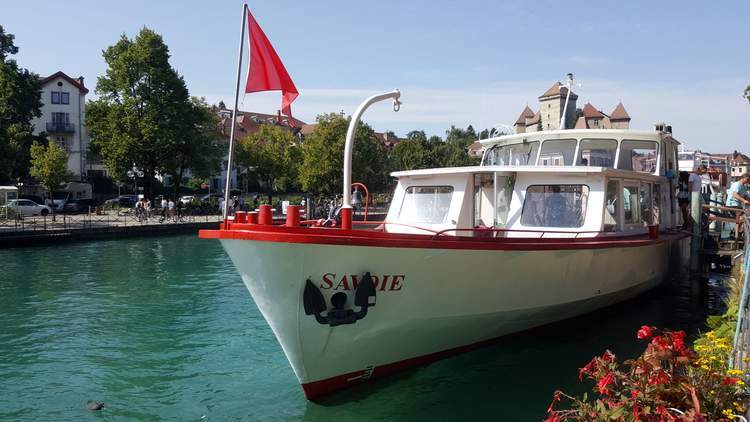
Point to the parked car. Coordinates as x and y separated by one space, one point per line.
77 205
27 207
124 201
33 198
187 199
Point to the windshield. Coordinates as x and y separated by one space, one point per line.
512 155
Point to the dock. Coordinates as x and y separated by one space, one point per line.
46 230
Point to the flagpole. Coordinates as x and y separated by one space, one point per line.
234 113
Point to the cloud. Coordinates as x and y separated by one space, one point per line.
709 115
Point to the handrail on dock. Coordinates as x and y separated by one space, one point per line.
742 310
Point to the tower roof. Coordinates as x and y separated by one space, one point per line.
558 89
527 113
590 111
619 113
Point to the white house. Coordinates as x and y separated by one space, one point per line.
63 108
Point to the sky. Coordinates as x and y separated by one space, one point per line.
456 63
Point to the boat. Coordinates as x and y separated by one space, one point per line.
551 225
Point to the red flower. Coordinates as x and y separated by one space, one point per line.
604 382
636 409
729 381
658 377
588 369
555 399
553 417
678 344
644 333
608 357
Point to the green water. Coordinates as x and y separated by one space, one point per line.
163 329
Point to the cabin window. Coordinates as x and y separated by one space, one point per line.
555 205
558 152
597 153
638 156
523 154
612 207
646 204
426 204
630 203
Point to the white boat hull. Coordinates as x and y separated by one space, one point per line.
433 302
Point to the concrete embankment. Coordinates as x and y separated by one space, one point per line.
15 239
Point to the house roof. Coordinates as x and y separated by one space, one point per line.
591 112
619 113
249 122
527 113
558 89
475 146
536 118
78 83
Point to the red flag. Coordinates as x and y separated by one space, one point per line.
267 72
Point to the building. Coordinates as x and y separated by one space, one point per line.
63 114
737 164
552 105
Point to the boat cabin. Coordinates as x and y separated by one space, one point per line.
566 183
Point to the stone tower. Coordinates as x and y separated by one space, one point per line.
551 105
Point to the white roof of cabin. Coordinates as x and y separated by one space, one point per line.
583 170
578 134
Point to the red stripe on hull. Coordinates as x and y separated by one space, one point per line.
397 240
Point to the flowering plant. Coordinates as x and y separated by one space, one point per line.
668 382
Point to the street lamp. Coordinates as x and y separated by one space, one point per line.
134 174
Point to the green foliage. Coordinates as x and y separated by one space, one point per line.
143 112
20 102
196 149
418 152
275 155
321 169
747 93
49 165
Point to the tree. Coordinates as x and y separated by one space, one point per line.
274 154
321 169
413 153
49 165
196 148
20 102
143 109
747 93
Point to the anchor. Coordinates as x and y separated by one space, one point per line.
315 303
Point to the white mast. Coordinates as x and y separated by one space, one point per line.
234 113
568 84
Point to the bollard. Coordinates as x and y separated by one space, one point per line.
653 231
252 217
240 217
265 215
292 215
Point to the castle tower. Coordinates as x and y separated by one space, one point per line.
551 105
620 118
520 125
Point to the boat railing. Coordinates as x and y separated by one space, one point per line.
495 232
